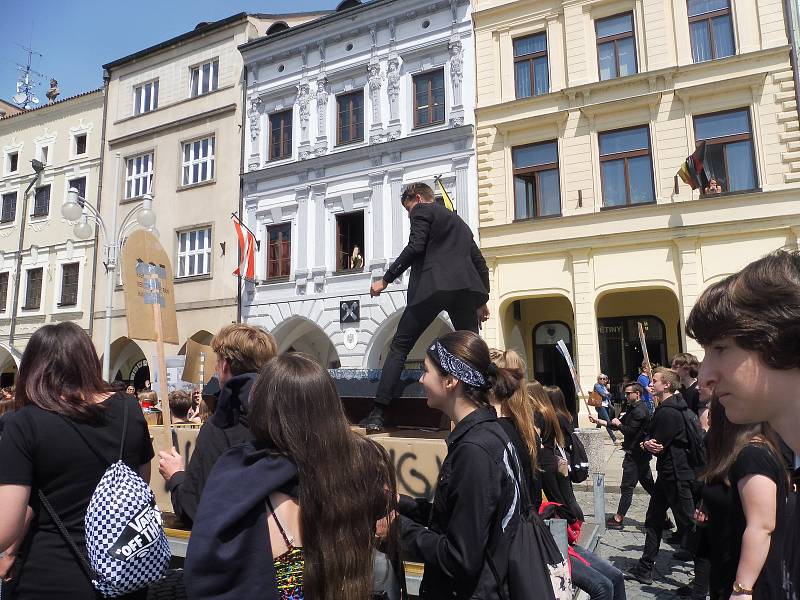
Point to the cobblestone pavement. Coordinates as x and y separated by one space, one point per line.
623 549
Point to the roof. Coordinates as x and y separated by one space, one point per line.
342 12
202 29
49 104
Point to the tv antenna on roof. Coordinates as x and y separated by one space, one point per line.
26 84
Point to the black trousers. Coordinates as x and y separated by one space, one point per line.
558 489
460 305
667 493
635 469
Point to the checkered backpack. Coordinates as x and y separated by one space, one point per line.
125 541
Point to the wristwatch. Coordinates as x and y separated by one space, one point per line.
738 589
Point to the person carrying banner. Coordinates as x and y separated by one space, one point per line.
448 272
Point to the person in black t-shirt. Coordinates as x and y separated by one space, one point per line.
749 327
744 507
59 380
686 366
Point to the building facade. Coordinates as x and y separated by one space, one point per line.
342 113
46 275
173 124
586 111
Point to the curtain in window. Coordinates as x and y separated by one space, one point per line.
627 57
723 36
740 166
550 202
640 173
542 79
614 183
701 42
523 78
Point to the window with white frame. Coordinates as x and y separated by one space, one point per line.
138 175
69 284
12 162
198 161
194 252
145 97
33 289
41 201
9 209
205 78
44 154
3 291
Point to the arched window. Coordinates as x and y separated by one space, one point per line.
276 27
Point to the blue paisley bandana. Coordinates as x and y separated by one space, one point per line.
458 368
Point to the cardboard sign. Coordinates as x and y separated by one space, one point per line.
147 277
200 362
643 343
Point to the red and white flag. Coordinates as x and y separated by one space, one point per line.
247 251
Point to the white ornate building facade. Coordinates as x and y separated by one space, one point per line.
343 111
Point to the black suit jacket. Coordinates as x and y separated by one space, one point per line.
442 255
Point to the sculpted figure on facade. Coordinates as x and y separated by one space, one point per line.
303 101
393 87
322 113
254 113
456 70
375 82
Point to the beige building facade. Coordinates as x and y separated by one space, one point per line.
174 119
46 275
586 111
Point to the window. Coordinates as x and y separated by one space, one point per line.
44 154
537 189
13 162
279 252
194 252
205 78
531 76
350 242
616 46
79 184
3 291
626 169
711 29
33 289
80 144
138 175
280 135
145 97
9 210
69 284
350 117
429 98
41 202
198 161
729 156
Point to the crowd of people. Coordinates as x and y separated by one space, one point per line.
286 500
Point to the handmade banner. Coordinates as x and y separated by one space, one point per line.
200 362
643 343
562 349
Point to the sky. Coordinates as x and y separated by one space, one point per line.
76 37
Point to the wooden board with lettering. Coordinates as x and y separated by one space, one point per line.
141 254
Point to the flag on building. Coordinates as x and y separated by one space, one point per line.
247 251
445 196
693 172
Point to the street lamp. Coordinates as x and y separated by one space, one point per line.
82 213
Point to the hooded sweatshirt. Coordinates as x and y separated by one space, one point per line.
228 557
667 427
225 429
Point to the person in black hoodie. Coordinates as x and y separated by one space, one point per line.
636 463
477 506
241 352
669 442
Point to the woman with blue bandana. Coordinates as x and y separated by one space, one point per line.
477 503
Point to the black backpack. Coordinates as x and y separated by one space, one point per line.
696 450
533 566
578 460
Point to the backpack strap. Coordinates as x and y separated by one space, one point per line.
85 567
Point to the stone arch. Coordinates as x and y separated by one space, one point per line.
9 364
378 346
299 334
128 361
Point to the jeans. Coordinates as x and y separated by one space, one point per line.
635 469
602 413
600 579
667 493
461 308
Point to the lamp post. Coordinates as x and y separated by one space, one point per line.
82 213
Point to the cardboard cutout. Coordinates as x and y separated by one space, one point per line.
200 362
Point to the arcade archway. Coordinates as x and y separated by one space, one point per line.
298 334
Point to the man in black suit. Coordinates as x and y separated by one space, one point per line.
448 272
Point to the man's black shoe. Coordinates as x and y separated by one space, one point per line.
639 574
374 421
612 523
682 555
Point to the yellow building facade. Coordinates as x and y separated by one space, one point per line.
586 111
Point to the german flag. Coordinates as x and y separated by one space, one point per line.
693 172
445 196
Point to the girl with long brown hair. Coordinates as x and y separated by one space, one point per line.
555 427
293 514
515 415
744 497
